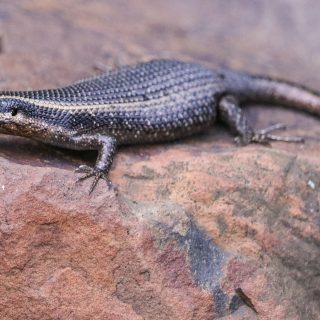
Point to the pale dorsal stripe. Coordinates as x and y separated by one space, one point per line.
50 104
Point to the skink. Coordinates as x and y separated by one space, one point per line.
156 101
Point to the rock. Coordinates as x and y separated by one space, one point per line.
183 233
195 229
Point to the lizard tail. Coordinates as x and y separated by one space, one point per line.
263 89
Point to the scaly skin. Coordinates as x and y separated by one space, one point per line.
160 100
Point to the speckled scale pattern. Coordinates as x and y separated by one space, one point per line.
154 101
140 82
149 102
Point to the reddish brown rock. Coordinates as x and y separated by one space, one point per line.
197 229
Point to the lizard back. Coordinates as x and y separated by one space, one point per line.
157 100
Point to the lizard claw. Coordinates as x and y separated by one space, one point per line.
93 172
263 136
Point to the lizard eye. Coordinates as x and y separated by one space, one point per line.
14 112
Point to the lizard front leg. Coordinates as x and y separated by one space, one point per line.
106 147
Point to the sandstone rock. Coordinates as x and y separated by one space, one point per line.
196 229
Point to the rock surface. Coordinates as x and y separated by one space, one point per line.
196 229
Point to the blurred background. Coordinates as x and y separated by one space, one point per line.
52 42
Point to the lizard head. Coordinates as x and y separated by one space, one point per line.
12 115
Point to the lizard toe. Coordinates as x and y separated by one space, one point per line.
264 136
93 172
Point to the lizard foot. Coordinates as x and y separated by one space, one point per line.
264 136
92 172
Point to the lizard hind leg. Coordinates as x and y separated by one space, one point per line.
231 113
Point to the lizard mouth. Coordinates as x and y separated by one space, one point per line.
3 129
4 122
7 126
